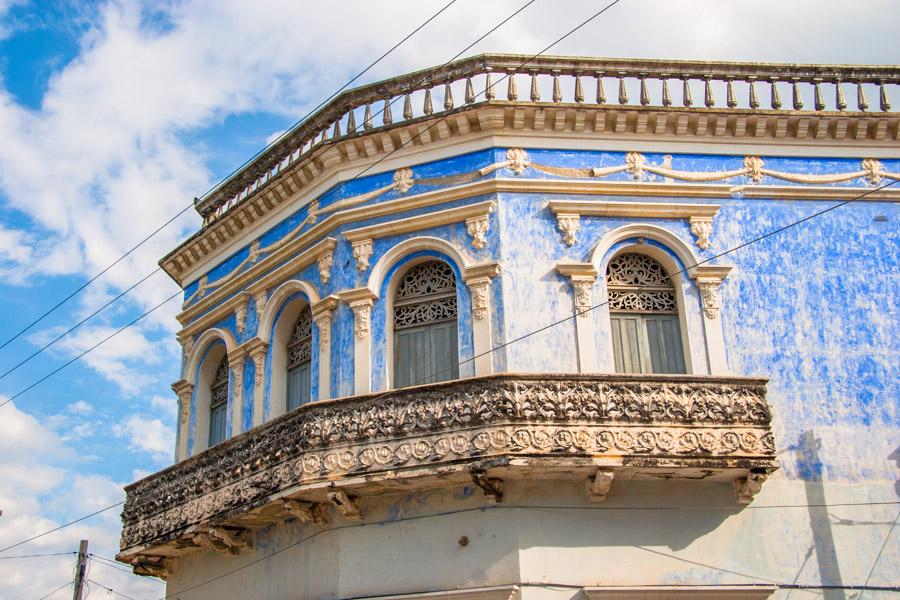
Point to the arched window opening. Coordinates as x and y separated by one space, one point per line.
644 316
299 353
425 328
218 403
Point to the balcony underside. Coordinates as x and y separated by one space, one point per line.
328 456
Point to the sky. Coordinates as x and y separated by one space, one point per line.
114 115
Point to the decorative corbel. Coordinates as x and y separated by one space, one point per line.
362 314
240 311
259 300
307 512
598 486
701 227
187 346
582 277
348 506
492 486
362 253
747 488
479 288
227 541
709 278
477 227
326 261
153 566
568 225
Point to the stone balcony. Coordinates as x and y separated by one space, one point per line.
326 457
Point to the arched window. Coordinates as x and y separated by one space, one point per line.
299 358
425 337
644 315
218 403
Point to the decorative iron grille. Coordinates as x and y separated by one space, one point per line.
300 344
426 294
220 385
638 283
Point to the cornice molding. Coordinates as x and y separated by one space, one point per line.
661 210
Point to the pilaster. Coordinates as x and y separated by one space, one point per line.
708 279
257 349
236 364
582 277
185 391
360 302
323 312
478 279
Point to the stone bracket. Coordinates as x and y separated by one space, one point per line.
307 512
347 505
598 486
153 566
747 488
492 486
228 541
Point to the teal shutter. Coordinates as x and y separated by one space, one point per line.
627 343
217 424
445 352
298 386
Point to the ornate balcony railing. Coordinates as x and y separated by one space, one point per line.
545 80
719 424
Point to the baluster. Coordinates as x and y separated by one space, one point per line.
535 93
489 84
623 91
470 91
427 108
839 100
795 94
776 98
351 122
601 93
407 107
883 100
686 91
579 91
861 101
730 100
666 96
557 93
645 96
754 99
386 117
708 99
818 100
337 130
448 95
324 136
367 117
511 93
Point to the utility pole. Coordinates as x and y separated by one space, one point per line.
80 568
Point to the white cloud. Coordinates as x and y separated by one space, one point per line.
148 435
80 408
40 489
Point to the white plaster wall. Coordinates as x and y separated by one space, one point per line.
545 533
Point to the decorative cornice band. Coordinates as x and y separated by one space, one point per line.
661 210
420 222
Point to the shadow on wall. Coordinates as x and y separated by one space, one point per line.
895 456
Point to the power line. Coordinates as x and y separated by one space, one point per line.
65 585
111 590
38 555
108 562
244 164
63 526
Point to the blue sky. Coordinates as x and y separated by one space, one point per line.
114 115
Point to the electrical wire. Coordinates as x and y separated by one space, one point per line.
38 555
880 552
108 562
65 585
111 590
226 178
63 526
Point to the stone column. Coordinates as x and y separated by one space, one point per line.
708 279
185 392
361 301
236 363
322 315
582 277
478 278
258 355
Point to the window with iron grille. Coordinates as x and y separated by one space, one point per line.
644 316
218 403
425 325
299 353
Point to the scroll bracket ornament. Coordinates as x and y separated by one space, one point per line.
583 287
598 487
568 225
326 261
747 488
701 227
223 540
240 312
258 355
479 289
477 227
709 296
260 300
347 505
362 312
306 512
362 253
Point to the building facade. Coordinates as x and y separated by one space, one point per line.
495 330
